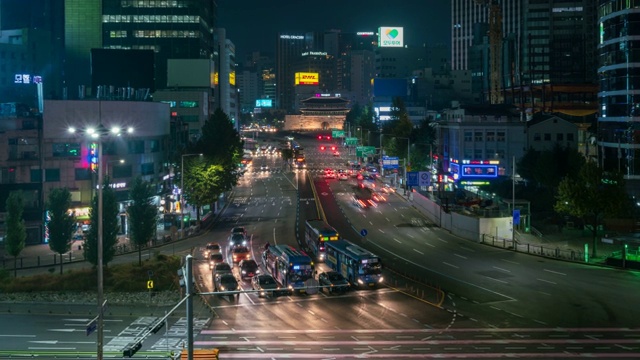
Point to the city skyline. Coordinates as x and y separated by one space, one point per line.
427 21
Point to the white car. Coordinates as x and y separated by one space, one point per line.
264 167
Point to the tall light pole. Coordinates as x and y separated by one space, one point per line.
98 133
182 192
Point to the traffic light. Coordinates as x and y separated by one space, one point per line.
131 349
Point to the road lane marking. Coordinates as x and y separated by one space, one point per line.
460 256
554 272
510 262
453 266
398 241
418 251
547 281
426 243
501 269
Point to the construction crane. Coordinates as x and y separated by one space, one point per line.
495 49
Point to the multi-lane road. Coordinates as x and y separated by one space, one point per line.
498 303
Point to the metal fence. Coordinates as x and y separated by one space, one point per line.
535 249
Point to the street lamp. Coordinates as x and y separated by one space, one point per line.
98 133
182 192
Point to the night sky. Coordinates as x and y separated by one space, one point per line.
252 25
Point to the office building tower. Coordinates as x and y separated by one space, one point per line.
619 98
227 92
289 47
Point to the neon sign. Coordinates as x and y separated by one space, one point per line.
479 171
93 157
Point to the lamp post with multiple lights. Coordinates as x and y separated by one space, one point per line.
98 133
182 192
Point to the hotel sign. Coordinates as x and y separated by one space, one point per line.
390 36
304 78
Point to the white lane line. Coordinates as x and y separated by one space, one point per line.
460 256
453 266
547 281
501 269
426 243
510 262
411 236
466 248
387 219
380 230
398 241
494 279
370 223
555 272
419 252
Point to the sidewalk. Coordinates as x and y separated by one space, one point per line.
41 256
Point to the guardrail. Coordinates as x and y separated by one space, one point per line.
534 249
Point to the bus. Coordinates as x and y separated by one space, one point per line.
360 266
289 266
300 162
316 233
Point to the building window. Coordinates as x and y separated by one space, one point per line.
147 169
51 175
136 147
34 175
477 136
547 137
478 154
65 149
82 174
491 136
468 136
536 137
154 146
500 136
7 175
560 137
570 137
122 171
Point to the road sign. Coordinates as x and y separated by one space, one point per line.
412 178
423 178
362 151
150 284
516 216
337 133
92 326
390 162
351 141
364 232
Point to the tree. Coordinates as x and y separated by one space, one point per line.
591 196
221 145
142 214
202 183
16 232
61 224
110 227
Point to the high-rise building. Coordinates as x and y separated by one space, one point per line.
289 47
227 91
619 97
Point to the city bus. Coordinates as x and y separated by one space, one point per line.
289 266
360 266
316 233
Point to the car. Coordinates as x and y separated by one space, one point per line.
290 138
333 282
330 175
237 239
221 268
336 153
211 248
226 282
264 167
214 259
343 176
239 230
248 268
240 253
266 285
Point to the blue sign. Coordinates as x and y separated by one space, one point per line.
412 178
364 232
389 162
92 326
516 217
423 178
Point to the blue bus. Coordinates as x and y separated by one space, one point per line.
316 233
289 266
360 266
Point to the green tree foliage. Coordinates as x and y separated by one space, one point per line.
422 145
61 224
221 146
287 155
591 196
142 214
202 182
547 168
110 227
16 233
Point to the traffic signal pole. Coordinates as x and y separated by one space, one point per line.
189 289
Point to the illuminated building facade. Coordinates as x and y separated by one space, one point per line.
289 47
619 116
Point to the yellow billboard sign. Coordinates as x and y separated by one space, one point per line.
305 78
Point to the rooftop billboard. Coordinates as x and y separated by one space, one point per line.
390 36
305 78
